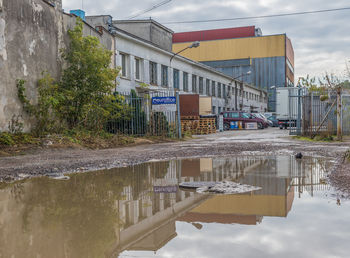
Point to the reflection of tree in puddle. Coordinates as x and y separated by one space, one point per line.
107 212
75 218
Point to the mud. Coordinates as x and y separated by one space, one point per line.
266 142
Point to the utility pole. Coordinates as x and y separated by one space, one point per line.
339 114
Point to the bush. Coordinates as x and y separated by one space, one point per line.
159 125
6 139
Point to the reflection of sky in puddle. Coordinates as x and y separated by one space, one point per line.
139 211
315 227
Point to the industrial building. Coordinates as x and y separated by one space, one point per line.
266 62
143 51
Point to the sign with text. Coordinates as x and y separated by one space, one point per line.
163 104
251 126
165 189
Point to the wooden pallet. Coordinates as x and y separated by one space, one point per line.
190 117
200 126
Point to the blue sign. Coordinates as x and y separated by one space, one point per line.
234 125
164 101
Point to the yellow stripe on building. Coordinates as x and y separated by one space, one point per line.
217 50
263 205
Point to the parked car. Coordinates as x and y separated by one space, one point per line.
261 116
236 116
274 121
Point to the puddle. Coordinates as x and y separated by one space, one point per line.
140 212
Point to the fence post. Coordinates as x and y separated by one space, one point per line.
178 114
299 113
339 118
311 115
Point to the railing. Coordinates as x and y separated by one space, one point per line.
138 119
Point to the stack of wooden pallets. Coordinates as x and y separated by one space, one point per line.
207 125
198 125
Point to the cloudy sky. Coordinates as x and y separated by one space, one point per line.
321 41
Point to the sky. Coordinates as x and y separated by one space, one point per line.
321 41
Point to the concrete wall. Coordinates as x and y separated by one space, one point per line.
148 30
32 32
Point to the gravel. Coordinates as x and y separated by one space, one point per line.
268 142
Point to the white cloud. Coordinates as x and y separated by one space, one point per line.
321 42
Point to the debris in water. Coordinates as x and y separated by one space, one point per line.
195 185
225 187
59 177
299 156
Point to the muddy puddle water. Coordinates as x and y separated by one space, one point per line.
140 212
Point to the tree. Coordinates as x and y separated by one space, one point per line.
87 83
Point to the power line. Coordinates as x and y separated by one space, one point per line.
261 17
150 9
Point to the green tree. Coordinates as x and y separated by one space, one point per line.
87 82
83 98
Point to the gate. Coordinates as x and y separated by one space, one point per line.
345 114
139 117
314 113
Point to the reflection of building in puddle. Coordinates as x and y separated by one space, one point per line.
93 214
307 174
279 178
136 208
247 209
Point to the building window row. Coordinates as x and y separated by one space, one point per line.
199 84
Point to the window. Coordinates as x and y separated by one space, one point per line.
219 90
124 64
164 76
176 77
153 73
246 115
201 86
214 110
207 90
213 90
185 81
224 90
138 69
234 115
194 83
219 110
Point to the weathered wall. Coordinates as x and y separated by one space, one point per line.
148 30
32 32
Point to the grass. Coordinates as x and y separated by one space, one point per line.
21 143
317 138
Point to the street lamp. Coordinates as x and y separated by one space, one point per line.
236 90
193 45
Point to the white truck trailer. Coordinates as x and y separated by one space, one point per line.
287 107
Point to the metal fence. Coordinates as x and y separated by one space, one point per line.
315 113
346 114
136 117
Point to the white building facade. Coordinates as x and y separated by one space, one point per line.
147 66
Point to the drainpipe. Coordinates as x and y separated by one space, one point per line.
115 59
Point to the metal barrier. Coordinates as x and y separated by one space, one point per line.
315 113
346 114
138 118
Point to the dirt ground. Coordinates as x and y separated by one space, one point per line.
263 142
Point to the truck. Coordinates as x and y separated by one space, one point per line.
287 107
